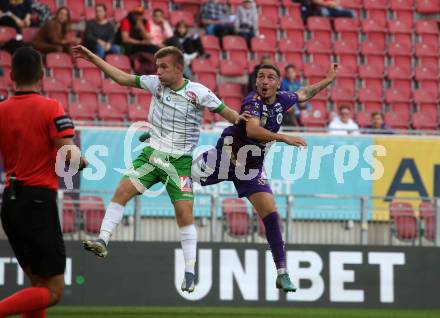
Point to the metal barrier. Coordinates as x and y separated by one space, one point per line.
305 219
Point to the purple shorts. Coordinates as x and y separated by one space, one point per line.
222 168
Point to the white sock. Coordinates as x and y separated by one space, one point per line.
188 238
113 216
281 271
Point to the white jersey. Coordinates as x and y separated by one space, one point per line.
176 116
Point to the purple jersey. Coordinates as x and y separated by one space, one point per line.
270 117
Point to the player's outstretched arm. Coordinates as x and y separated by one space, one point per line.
256 132
307 92
232 116
119 76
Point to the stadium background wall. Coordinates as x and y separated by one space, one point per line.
236 274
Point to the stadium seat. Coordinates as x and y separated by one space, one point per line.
52 4
268 27
397 120
319 52
232 68
292 52
77 9
373 55
427 78
401 32
399 101
29 34
346 79
81 85
91 75
375 32
427 31
427 56
120 61
62 97
293 29
205 72
371 99
80 111
111 87
237 222
262 47
93 210
6 34
355 5
314 72
427 215
346 55
400 76
119 14
404 221
348 30
401 54
376 10
115 110
231 94
402 10
69 215
268 7
236 49
142 97
58 60
130 5
426 101
320 29
176 16
138 112
427 6
371 76
424 121
63 75
211 46
363 119
314 118
51 84
340 95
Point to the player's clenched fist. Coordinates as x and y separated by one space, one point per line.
331 74
294 141
80 51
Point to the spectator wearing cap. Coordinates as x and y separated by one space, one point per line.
100 33
246 21
216 18
134 33
160 28
343 124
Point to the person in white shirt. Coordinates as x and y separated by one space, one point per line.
343 124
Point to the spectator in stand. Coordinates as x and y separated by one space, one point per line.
324 8
246 21
134 33
343 124
53 36
291 83
216 18
160 28
189 43
378 125
265 59
16 14
100 33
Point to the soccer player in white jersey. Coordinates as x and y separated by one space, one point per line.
175 116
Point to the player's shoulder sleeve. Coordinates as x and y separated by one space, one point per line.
147 82
252 104
206 98
60 124
288 99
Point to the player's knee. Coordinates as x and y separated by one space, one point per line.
124 193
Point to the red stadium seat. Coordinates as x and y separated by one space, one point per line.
375 31
348 30
401 32
426 101
81 85
404 221
208 79
401 54
63 75
29 34
313 118
231 94
111 87
77 10
142 97
268 27
427 6
237 222
374 55
314 72
130 5
119 14
376 10
92 75
403 10
346 54
263 47
51 84
320 28
236 49
427 78
346 79
232 68
268 7
399 100
400 77
6 34
292 52
424 121
120 61
112 111
371 76
211 46
397 120
293 29
371 99
138 112
344 96
363 119
52 4
79 111
62 97
58 60
427 214
355 5
206 73
427 56
428 33
186 16
93 210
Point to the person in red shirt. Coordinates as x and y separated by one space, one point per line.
32 129
134 33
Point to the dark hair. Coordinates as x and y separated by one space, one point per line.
342 107
27 67
170 50
288 66
65 25
178 25
270 67
158 10
102 5
374 114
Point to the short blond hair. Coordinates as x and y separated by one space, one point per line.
170 50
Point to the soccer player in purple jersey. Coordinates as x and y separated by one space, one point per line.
229 160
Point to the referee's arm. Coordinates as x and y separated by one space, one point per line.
119 76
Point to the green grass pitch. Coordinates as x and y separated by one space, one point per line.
209 312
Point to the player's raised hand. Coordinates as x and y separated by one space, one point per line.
245 116
331 74
80 51
294 141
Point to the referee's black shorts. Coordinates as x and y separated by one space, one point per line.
32 225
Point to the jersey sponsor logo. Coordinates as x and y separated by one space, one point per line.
185 184
278 108
279 118
192 97
63 123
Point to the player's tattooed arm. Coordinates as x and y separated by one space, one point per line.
308 92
